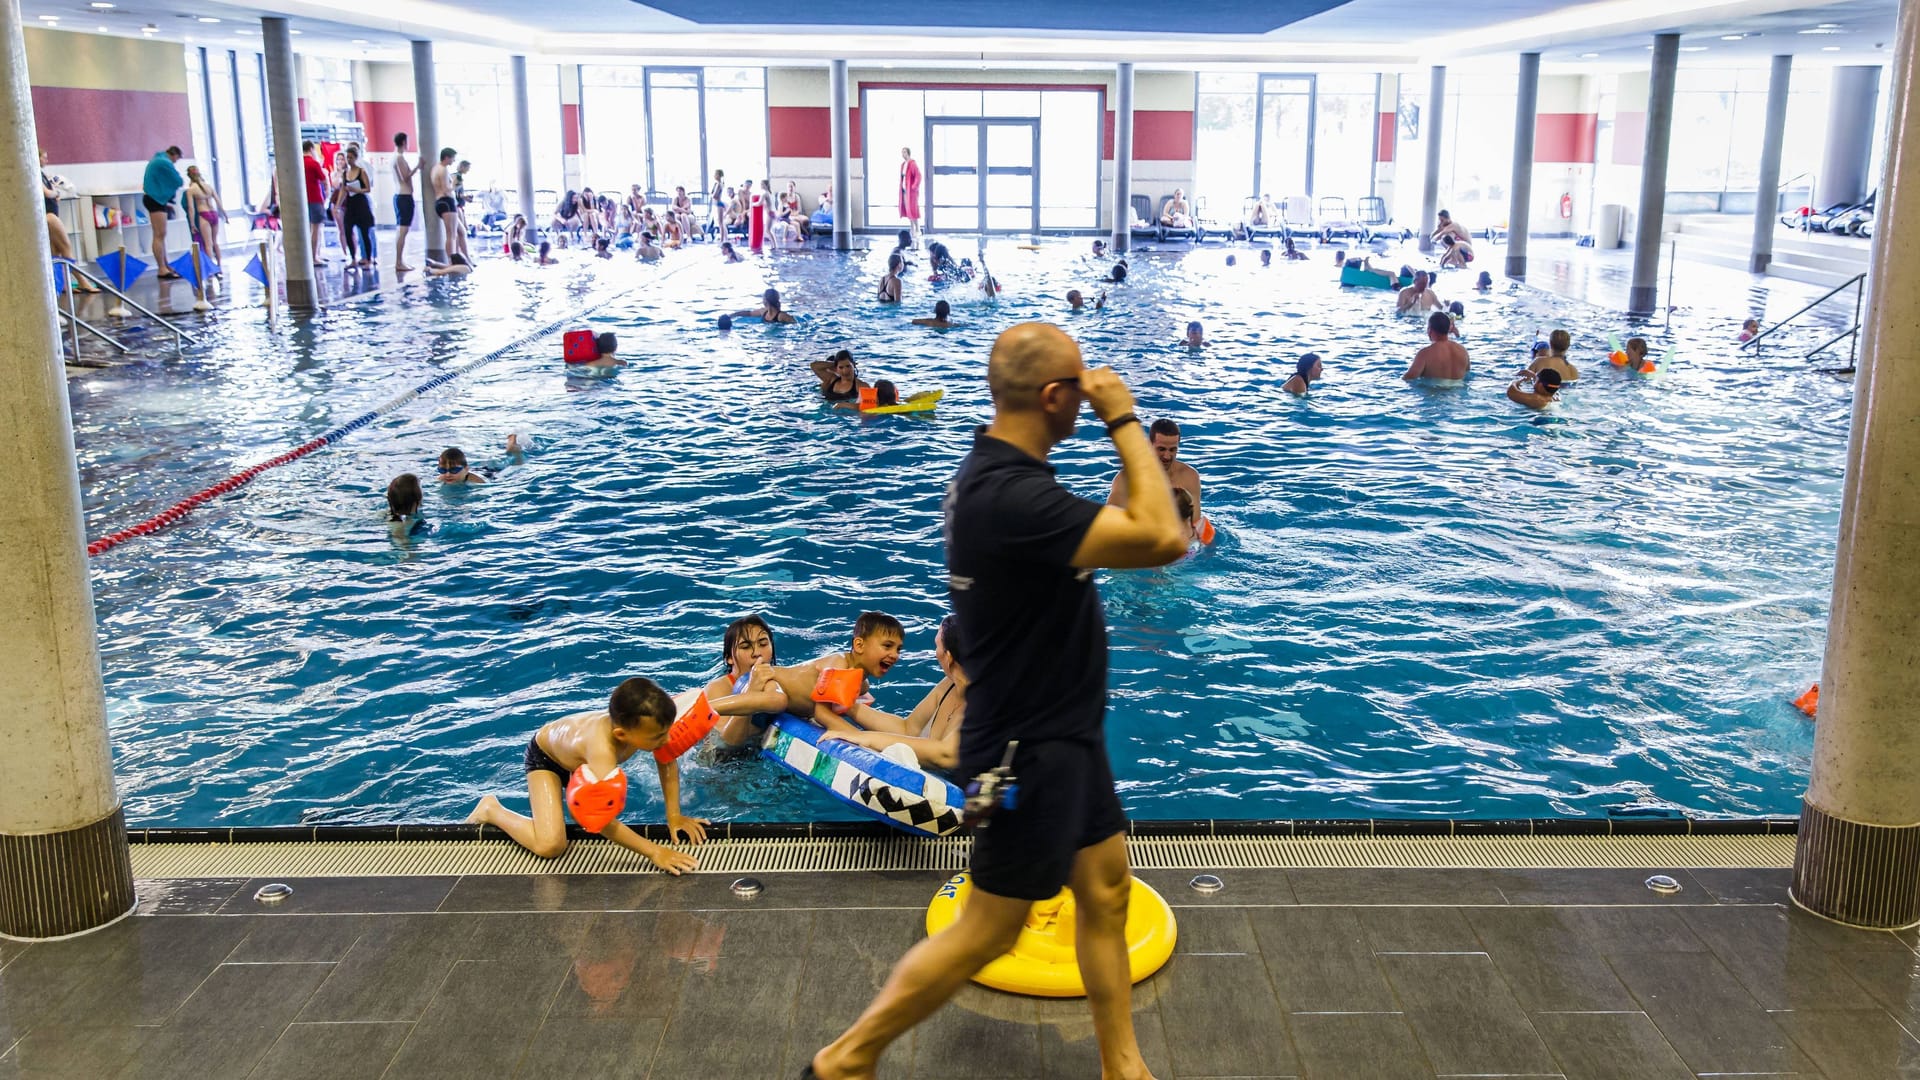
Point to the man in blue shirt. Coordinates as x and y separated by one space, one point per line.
158 189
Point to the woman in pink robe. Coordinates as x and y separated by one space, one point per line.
910 191
757 219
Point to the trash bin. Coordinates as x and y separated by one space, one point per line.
1606 225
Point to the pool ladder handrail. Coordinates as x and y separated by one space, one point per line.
77 324
1857 283
180 336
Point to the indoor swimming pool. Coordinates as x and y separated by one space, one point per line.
1423 601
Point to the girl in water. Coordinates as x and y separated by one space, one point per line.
890 285
403 507
839 382
748 643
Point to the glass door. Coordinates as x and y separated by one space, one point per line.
1283 143
676 140
982 174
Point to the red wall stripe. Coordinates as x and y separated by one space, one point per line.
570 139
803 131
806 131
383 120
1388 136
303 110
1163 135
77 126
1564 138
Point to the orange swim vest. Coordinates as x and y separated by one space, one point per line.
839 688
596 804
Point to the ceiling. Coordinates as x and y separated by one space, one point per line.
1607 34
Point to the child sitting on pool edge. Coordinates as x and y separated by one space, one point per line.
638 717
809 692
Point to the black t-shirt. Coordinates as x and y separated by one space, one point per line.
1036 637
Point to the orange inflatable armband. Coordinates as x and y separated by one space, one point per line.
687 731
1618 358
1809 702
869 398
839 688
1206 529
596 803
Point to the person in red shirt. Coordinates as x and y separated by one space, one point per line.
316 195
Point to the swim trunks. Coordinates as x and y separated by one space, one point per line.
445 205
155 206
1065 802
316 214
403 210
538 761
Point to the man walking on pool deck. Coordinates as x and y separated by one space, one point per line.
1021 551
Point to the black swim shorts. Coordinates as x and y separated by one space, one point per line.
155 206
403 210
538 761
445 205
1066 802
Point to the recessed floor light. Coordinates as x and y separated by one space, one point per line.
1823 28
1733 37
295 33
100 4
49 18
1693 48
208 19
1829 48
1589 56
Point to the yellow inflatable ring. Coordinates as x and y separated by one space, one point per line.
1042 962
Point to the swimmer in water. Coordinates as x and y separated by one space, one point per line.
940 320
1291 251
839 381
1306 371
646 250
1164 437
1196 336
453 464
1266 256
606 348
877 638
890 285
1749 330
1099 249
637 718
932 729
1552 356
1077 302
747 646
1485 282
1443 358
724 323
1638 361
1419 296
455 266
769 310
1535 391
1189 516
403 507
546 254
727 254
1457 311
1232 261
1118 274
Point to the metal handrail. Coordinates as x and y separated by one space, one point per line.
1857 279
178 334
91 329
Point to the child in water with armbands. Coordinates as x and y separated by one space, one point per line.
830 691
573 765
1633 356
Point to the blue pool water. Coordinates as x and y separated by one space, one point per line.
1423 601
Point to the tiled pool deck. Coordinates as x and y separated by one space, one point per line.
1352 974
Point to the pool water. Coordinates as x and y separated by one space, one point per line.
1423 601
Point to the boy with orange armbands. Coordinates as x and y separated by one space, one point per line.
830 691
573 765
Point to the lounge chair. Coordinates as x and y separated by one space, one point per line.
1334 222
1373 214
1144 223
1168 232
1273 227
1296 214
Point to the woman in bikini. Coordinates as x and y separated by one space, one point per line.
840 383
206 213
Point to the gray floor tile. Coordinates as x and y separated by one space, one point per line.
1068 1048
481 1021
1464 1014
281 939
1320 960
164 961
1204 996
1345 1046
1781 966
979 1033
1417 929
1892 978
183 896
1634 929
862 889
393 970
1244 888
614 1049
763 988
267 995
1547 963
757 933
1450 887
1609 1046
207 1052
556 892
1765 885
1561 886
62 1052
9 949
1706 1014
511 936
332 1052
344 896
848 960
1214 930
1853 1044
631 965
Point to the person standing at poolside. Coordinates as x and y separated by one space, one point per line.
446 207
316 178
1021 551
910 192
1443 358
158 188
403 174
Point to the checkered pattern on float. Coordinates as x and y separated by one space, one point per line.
840 771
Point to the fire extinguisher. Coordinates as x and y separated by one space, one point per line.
1566 204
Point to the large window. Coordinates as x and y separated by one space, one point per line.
1002 193
329 90
477 121
1719 124
667 127
1283 135
1476 151
229 123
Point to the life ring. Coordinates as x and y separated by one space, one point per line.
1041 962
906 798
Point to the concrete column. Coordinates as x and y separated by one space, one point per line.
63 840
1430 192
1643 295
1766 208
283 110
1520 190
1851 101
842 146
1122 157
426 118
1858 858
523 134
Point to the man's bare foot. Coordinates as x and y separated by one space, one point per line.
483 813
399 269
825 1069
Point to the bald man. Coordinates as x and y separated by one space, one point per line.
1021 551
